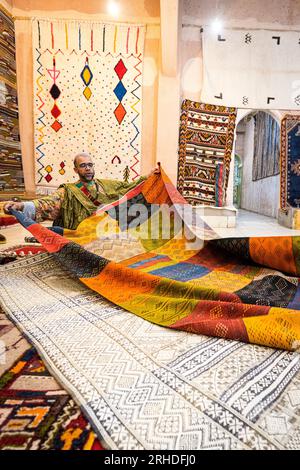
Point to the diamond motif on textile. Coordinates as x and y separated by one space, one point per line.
297 100
81 262
221 330
55 111
120 69
86 75
295 167
120 113
54 91
56 126
276 425
272 290
239 246
87 93
294 396
62 170
169 424
216 312
48 178
120 91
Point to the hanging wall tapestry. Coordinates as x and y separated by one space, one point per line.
266 146
87 98
205 140
11 173
290 162
256 69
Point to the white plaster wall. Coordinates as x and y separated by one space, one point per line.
191 63
270 14
240 143
242 13
168 106
260 196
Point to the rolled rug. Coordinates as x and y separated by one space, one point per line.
6 220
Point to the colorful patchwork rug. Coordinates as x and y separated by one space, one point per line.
35 412
290 162
141 253
142 386
205 141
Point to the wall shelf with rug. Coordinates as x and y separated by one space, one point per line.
11 170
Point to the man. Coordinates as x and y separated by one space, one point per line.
74 202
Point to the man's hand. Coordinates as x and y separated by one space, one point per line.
156 170
17 206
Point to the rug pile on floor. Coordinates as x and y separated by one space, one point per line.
36 413
19 251
105 304
143 386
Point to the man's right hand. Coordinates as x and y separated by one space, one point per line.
17 206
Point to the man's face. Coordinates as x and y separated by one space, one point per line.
85 169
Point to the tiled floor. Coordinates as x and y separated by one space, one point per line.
248 224
256 225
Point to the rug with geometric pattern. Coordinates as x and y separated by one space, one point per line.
143 386
205 143
36 413
87 83
290 161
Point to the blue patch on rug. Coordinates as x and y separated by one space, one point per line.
144 261
181 271
295 303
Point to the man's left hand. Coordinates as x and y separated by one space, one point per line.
156 170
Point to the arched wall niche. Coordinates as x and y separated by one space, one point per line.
260 196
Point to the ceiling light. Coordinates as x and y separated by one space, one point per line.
217 25
113 8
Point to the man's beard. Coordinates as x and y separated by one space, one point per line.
86 179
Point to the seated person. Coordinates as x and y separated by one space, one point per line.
73 202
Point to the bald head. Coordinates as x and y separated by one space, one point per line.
77 157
